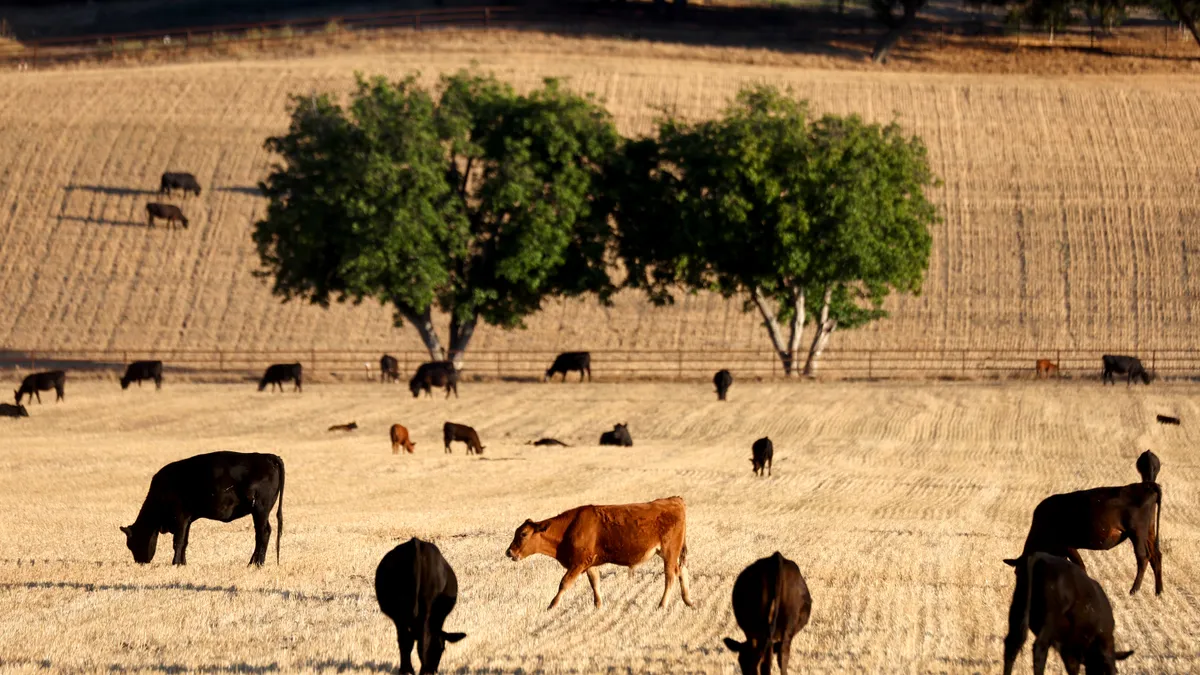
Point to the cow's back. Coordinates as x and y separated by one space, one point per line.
410 577
211 484
624 532
771 579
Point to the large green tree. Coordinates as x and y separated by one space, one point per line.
476 201
808 221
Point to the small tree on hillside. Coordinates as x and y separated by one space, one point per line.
809 222
479 203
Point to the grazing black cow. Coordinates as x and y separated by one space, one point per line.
168 212
36 383
771 604
389 369
143 370
1148 466
220 486
416 589
722 381
179 181
618 436
434 374
548 441
1100 519
9 410
1066 610
763 455
1129 366
461 432
279 373
567 361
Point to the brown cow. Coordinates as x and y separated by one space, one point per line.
1046 367
627 534
399 438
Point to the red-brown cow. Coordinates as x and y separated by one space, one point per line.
627 534
400 437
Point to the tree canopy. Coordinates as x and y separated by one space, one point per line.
479 202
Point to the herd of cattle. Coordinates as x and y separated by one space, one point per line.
417 589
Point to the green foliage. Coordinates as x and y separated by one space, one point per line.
479 202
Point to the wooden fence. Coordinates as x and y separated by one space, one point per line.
615 365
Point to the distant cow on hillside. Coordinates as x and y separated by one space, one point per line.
36 383
762 455
389 369
568 361
460 432
179 181
417 589
400 438
1046 368
434 374
722 381
618 436
349 426
220 486
1129 366
10 410
279 373
168 212
143 370
771 604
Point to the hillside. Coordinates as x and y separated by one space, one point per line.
1071 205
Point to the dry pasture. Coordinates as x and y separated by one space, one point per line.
897 501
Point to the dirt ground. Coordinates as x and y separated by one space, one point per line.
898 502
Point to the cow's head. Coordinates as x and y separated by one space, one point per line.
549 374
1102 659
430 648
17 396
524 543
124 383
1147 378
415 387
141 542
751 654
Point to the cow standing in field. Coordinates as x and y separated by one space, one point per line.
722 381
1046 368
168 212
1100 519
1148 466
279 373
220 486
618 436
434 374
417 589
1130 366
10 410
628 534
179 181
400 438
460 432
771 604
1066 610
36 383
143 370
762 455
389 369
568 361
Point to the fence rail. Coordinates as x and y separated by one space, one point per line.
873 364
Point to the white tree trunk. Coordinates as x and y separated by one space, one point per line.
825 328
787 353
460 337
423 322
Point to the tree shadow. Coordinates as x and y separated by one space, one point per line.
103 221
347 665
239 667
253 191
112 190
87 587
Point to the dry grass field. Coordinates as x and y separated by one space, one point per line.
897 502
1070 204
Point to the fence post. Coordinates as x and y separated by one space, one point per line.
1058 363
314 361
1153 355
963 369
112 41
417 21
34 64
871 365
487 17
187 45
220 361
679 363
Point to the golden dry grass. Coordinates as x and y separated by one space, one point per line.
898 503
1070 203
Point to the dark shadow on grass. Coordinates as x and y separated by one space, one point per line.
203 668
253 191
348 666
112 190
102 221
180 586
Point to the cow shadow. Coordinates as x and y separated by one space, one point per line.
112 191
253 191
239 667
88 587
346 665
104 221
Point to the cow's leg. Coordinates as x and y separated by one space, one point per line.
784 654
405 639
769 463
1073 556
685 590
262 537
181 539
568 579
1156 563
1071 662
671 569
1040 649
1141 549
594 579
38 394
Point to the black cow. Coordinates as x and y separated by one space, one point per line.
763 455
179 181
771 604
722 381
220 486
618 436
9 410
567 361
1129 366
1066 610
279 373
143 370
434 374
36 383
460 432
168 212
1100 519
389 369
1148 466
417 589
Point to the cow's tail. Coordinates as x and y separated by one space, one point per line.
1158 518
773 606
1018 613
279 511
683 555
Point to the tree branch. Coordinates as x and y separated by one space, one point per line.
423 323
772 329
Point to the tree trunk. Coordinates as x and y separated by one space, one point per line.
423 322
460 337
787 353
884 47
1187 19
824 329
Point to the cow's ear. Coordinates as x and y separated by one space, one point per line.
734 645
541 527
1012 562
453 637
126 530
1121 656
